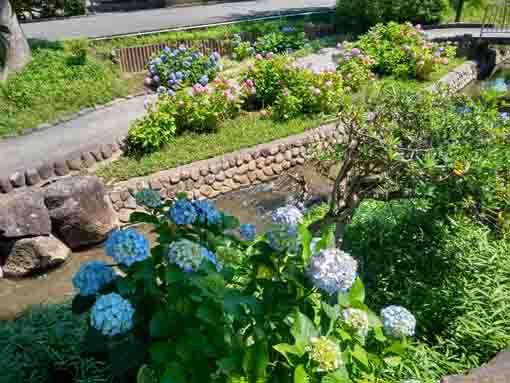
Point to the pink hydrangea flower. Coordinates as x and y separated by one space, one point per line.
147 81
258 56
249 83
419 27
269 55
355 52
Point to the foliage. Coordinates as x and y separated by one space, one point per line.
205 305
409 143
49 8
51 86
400 50
77 50
362 14
75 7
4 45
287 41
354 66
175 68
199 109
241 49
293 90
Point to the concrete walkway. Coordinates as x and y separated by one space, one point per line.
152 20
102 126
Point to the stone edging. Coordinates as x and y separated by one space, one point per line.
212 177
459 78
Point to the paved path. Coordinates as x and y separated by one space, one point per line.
157 19
102 126
475 32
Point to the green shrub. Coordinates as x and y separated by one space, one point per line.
356 69
281 42
293 90
362 14
194 110
77 50
241 49
75 7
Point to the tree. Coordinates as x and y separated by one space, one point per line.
14 49
449 153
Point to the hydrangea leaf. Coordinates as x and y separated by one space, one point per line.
229 365
339 376
360 355
306 238
303 329
159 326
173 374
285 349
162 352
256 359
82 304
300 375
140 217
357 292
146 375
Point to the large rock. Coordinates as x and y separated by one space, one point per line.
496 371
23 214
29 255
80 211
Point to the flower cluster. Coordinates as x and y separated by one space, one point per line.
326 353
283 238
248 231
92 276
127 247
332 271
241 49
183 212
112 315
148 197
207 212
358 319
288 215
354 66
173 68
189 255
398 321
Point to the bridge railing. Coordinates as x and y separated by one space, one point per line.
496 19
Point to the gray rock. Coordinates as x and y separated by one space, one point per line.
46 171
32 176
28 255
23 214
496 371
18 179
5 185
80 211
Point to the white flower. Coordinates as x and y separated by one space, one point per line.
332 270
358 319
288 215
398 321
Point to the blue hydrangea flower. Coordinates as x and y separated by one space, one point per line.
161 89
183 212
157 61
164 58
148 197
112 315
288 29
171 92
204 80
248 231
209 255
92 276
153 69
214 57
186 254
179 75
398 321
332 270
167 50
207 212
504 115
172 76
182 49
127 247
187 64
283 237
288 215
196 54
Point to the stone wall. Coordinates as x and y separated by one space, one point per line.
219 175
459 78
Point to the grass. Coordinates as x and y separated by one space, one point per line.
245 131
473 12
52 86
224 32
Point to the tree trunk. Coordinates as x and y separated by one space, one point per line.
16 45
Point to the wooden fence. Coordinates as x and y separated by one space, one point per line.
135 59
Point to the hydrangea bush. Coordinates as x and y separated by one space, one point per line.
212 302
173 68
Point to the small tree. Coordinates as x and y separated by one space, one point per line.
448 152
14 49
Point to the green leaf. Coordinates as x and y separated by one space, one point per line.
333 312
230 223
95 341
379 334
159 326
393 361
234 303
82 304
300 375
124 357
162 352
397 347
343 300
285 349
140 217
256 359
145 375
174 373
339 376
373 319
303 329
357 292
360 355
306 238
229 364
125 286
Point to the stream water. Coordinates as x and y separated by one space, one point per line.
250 205
499 82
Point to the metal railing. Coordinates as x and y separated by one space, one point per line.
496 19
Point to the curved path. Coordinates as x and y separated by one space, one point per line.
103 126
109 24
